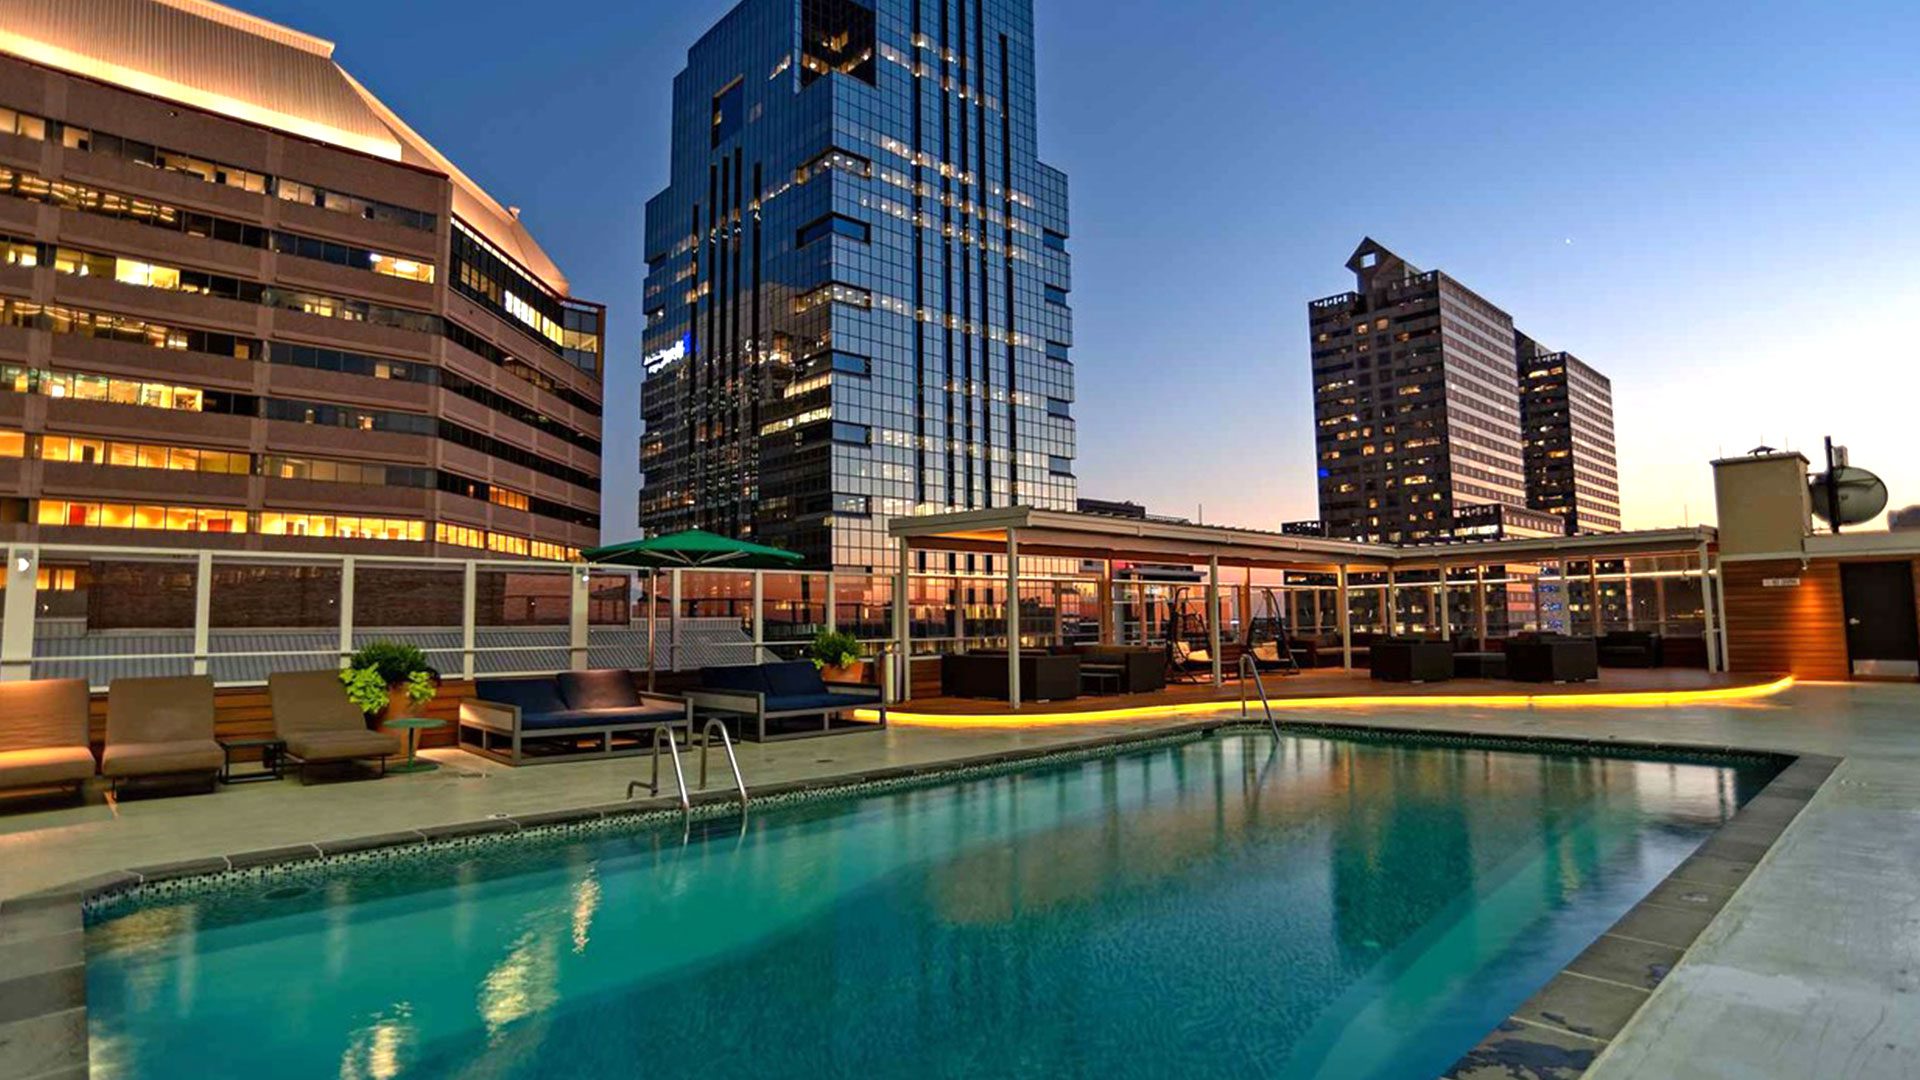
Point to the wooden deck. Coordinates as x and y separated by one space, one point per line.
1328 686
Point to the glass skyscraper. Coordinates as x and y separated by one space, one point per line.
857 279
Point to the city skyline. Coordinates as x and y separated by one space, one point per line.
1704 222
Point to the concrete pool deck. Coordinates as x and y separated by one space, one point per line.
1810 969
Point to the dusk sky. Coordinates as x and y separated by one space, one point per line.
1717 205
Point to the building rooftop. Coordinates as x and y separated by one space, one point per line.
211 57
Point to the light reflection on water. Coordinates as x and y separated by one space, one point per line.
1331 908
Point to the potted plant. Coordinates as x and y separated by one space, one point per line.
389 680
837 655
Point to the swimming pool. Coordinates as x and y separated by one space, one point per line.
1221 907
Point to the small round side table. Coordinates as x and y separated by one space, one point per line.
413 726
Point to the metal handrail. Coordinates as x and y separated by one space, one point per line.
680 778
1248 668
726 742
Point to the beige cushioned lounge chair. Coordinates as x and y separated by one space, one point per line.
312 715
43 734
160 727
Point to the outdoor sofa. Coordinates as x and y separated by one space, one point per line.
1410 660
760 695
565 717
319 725
1139 669
161 727
983 674
43 734
1632 649
1552 658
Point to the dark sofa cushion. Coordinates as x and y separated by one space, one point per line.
578 718
822 702
793 678
539 695
750 677
611 689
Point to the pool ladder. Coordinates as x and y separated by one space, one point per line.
1250 672
680 778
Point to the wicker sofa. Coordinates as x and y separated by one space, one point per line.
1043 676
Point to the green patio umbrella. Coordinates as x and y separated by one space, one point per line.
692 549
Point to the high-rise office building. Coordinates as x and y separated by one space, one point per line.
1417 417
1566 422
1436 419
243 300
857 279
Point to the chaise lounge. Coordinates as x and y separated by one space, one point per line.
319 725
161 727
574 715
43 735
788 690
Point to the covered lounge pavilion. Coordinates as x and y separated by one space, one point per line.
1573 566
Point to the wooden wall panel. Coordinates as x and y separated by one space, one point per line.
1801 630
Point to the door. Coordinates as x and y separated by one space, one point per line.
1883 636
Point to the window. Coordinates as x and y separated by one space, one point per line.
835 225
144 455
1059 466
836 36
1056 295
847 363
852 434
341 526
1059 352
834 293
853 505
1053 240
92 515
1059 408
726 111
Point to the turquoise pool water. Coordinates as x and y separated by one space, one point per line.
1224 907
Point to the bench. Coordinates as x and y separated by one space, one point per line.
755 694
566 717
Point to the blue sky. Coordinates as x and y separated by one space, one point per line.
1715 204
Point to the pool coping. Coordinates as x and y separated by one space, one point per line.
1556 1035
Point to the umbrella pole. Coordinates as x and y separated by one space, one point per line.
653 607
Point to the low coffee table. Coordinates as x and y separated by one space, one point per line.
413 726
1101 678
1479 665
272 757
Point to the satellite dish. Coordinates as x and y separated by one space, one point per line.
1859 494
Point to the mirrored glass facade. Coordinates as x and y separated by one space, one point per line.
858 285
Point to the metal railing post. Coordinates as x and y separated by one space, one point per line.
469 614
833 603
17 625
346 610
202 611
673 619
577 616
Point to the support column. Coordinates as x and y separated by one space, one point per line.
759 621
1480 604
1593 594
902 666
16 629
1393 606
1707 612
1446 606
1108 631
577 618
202 611
673 619
469 614
1013 619
833 603
1345 619
653 622
1660 605
1213 615
346 610
1720 613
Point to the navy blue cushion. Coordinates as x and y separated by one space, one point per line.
793 678
580 718
541 695
820 702
735 677
598 690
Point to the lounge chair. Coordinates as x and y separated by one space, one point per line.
577 714
160 727
43 734
788 690
312 715
1187 663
